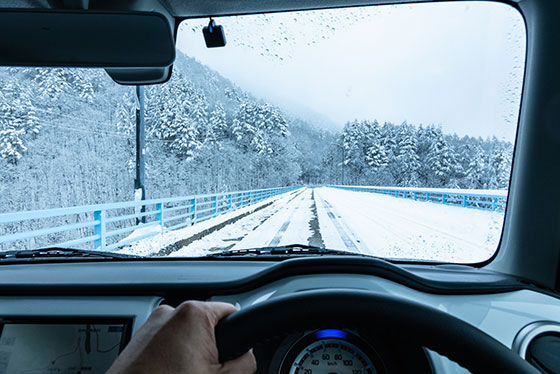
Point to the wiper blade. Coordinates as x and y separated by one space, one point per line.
293 250
59 254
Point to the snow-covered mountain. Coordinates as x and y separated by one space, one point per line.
67 137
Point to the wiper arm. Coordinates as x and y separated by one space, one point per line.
59 254
293 250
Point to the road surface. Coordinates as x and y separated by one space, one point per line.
360 222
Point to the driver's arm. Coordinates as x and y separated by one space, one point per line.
180 340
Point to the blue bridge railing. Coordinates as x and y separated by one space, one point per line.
459 198
106 227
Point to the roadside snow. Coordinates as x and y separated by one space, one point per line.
398 228
142 230
447 190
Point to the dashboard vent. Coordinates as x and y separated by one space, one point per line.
539 344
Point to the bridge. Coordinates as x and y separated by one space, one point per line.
410 223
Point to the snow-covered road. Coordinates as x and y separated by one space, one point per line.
362 222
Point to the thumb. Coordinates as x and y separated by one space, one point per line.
244 364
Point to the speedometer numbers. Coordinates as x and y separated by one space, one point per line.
330 352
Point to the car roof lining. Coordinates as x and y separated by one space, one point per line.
187 9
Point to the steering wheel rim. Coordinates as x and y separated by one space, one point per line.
418 323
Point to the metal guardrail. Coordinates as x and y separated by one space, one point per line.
447 197
105 225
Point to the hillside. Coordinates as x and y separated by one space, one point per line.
67 138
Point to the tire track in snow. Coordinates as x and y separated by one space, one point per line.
346 239
217 239
274 225
316 239
278 237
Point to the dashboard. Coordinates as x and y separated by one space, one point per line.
76 317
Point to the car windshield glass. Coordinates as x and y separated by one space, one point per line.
385 131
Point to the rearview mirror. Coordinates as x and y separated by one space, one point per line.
85 39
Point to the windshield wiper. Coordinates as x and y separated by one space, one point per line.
292 250
59 254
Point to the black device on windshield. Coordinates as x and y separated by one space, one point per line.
214 35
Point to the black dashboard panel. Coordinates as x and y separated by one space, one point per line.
175 279
131 289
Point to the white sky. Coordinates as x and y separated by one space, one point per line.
459 65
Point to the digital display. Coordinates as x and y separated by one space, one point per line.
60 348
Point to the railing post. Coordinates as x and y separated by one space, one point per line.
465 201
215 205
229 202
193 211
99 229
255 197
427 196
444 198
494 203
159 217
241 199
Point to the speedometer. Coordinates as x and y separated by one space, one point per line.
331 352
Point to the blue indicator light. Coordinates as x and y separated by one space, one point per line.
321 334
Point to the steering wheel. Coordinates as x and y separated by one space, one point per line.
413 322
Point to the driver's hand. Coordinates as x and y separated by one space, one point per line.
181 341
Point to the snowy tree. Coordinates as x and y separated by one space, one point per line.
474 163
18 121
51 82
125 112
178 114
375 154
82 82
441 161
407 160
500 166
217 126
259 127
353 144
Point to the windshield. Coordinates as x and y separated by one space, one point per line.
385 131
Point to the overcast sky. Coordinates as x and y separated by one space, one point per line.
458 65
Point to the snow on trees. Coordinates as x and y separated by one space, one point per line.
125 112
259 127
205 134
217 126
500 162
51 82
176 112
442 161
18 121
407 160
409 156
